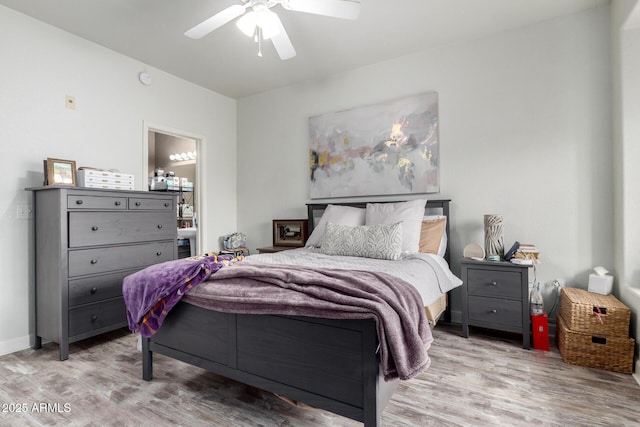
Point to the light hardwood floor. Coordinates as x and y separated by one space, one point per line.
486 380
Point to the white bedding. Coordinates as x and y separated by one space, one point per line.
428 273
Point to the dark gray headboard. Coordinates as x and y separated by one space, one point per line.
443 204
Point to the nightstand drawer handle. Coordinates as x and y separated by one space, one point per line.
159 225
94 318
494 283
94 290
78 202
94 261
158 253
117 202
494 311
138 203
94 228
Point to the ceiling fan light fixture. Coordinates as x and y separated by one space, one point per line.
260 17
247 23
258 21
268 22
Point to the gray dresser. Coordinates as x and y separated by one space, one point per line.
87 241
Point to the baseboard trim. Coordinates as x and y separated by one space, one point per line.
16 344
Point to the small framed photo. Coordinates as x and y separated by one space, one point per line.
289 232
59 172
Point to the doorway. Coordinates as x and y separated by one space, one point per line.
174 155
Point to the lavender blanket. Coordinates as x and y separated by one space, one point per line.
149 294
396 306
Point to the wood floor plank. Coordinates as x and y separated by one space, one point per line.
485 380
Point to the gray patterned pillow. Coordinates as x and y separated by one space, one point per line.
369 241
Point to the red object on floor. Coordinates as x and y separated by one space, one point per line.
540 329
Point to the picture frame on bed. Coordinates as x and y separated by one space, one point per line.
290 232
59 172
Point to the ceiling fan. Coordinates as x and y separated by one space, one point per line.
263 24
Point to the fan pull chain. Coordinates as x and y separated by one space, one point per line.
259 32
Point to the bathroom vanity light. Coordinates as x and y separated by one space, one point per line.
181 157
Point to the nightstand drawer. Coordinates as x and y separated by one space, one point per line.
496 311
494 283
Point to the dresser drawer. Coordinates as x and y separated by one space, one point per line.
140 203
96 202
494 283
107 228
484 310
96 316
100 260
96 288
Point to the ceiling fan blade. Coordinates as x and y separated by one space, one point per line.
215 22
281 42
345 9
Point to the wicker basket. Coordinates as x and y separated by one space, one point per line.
579 307
610 353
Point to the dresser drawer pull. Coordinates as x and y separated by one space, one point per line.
94 318
138 203
494 311
94 290
118 203
159 225
94 261
167 204
94 228
494 283
158 253
78 202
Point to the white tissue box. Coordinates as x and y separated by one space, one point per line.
600 284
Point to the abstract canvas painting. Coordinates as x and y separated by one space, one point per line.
381 149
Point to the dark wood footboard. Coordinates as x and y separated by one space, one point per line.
325 363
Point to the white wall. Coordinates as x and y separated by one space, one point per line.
626 108
40 66
525 131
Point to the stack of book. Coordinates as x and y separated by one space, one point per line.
526 254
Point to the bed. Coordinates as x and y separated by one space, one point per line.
328 363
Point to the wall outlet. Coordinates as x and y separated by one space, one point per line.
24 211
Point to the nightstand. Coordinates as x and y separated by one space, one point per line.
272 249
495 295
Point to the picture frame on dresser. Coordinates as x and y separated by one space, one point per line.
60 172
290 232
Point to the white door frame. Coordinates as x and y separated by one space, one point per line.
200 149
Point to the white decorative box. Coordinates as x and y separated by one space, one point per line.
600 284
104 179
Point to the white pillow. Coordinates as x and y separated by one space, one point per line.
343 215
369 241
442 248
409 213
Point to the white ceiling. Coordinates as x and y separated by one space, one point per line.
152 31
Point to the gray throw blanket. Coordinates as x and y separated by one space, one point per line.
396 306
